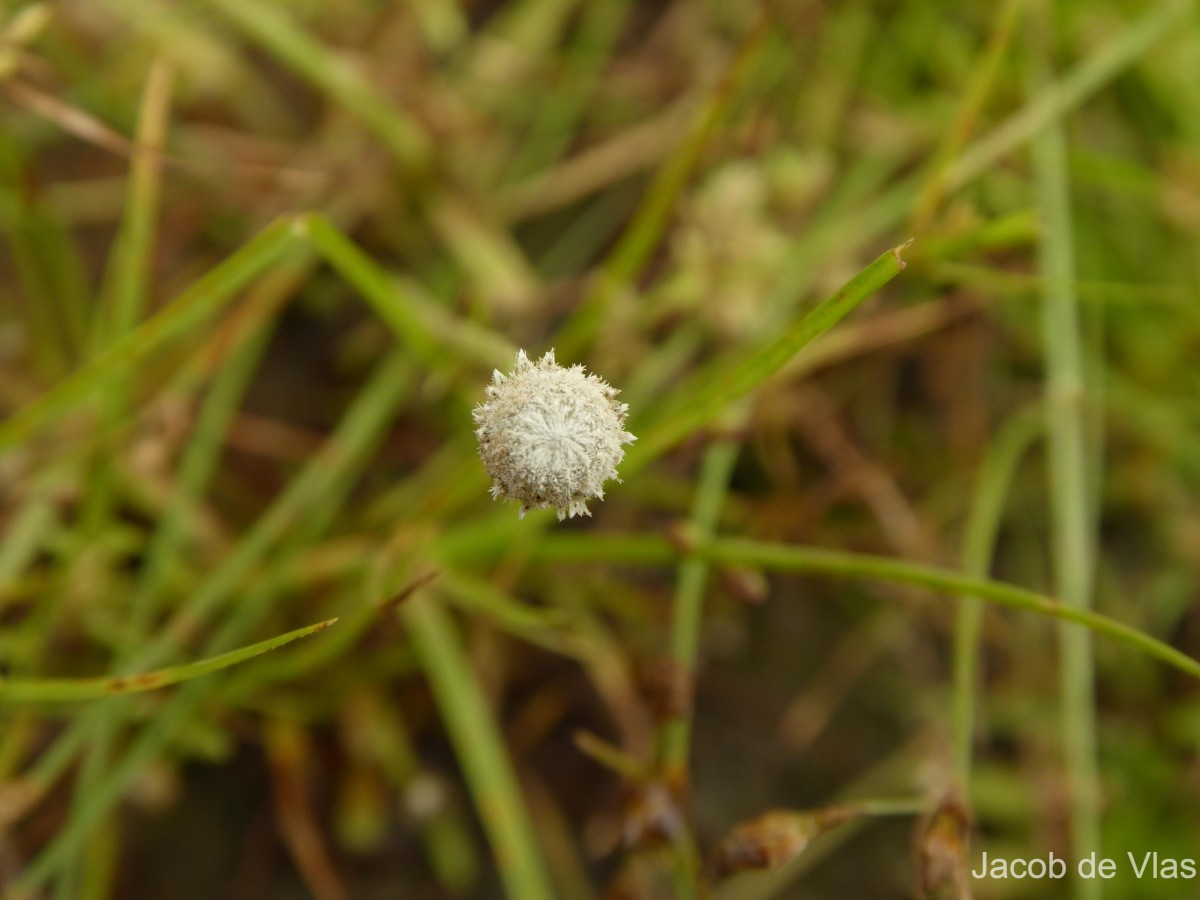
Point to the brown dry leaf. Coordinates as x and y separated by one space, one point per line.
943 838
773 839
667 687
654 816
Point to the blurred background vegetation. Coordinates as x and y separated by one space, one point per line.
210 439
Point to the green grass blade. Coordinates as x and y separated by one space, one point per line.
649 549
309 502
272 27
983 524
203 299
705 395
434 334
1068 457
123 298
70 690
643 234
132 253
687 611
1056 99
479 749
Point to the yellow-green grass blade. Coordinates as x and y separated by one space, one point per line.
705 395
481 752
70 690
199 302
433 333
652 549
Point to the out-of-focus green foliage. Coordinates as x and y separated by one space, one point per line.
258 261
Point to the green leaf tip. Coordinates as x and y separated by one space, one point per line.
68 690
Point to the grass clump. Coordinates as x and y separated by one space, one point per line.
900 300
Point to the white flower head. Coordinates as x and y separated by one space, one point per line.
550 436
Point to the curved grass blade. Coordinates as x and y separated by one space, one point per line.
710 391
68 690
649 549
644 233
204 298
480 749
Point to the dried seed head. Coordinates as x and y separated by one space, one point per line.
549 436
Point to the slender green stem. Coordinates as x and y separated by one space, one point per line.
1058 98
855 566
122 302
707 394
71 690
651 549
983 78
1069 460
687 612
200 301
644 232
272 27
479 748
986 511
132 253
306 507
433 333
686 620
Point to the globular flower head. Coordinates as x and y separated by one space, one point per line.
550 436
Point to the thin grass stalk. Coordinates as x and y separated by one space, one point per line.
688 607
487 254
686 623
206 296
652 549
948 583
74 690
322 486
132 253
478 746
1071 537
987 508
1056 99
983 79
643 234
432 332
706 395
123 299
